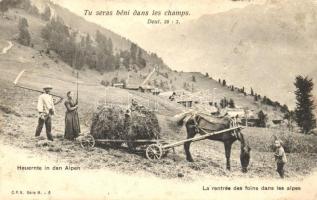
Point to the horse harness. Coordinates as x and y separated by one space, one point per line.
233 123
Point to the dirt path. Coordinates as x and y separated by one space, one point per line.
108 184
7 48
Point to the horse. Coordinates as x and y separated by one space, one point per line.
201 123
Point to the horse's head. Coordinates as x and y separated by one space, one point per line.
244 153
245 157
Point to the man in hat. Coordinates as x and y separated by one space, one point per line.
46 109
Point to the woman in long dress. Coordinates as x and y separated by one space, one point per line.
72 126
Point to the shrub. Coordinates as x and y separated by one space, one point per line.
262 119
263 140
295 143
105 83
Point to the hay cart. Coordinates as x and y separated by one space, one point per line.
154 149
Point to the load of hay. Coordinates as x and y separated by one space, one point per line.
121 123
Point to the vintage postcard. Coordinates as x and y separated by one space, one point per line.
158 99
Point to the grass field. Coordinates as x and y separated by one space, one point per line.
18 131
263 139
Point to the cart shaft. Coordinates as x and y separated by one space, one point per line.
202 137
132 141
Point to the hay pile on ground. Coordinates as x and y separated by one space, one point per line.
118 122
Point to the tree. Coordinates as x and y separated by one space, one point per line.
133 52
284 109
25 4
124 82
104 83
110 46
110 63
223 102
114 80
23 23
24 35
207 75
34 10
46 15
277 104
224 83
61 40
262 119
252 93
141 62
231 104
126 58
290 117
6 4
269 101
88 41
3 6
305 105
193 78
264 100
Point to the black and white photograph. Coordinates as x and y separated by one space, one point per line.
158 99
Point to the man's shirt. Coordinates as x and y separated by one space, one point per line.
45 103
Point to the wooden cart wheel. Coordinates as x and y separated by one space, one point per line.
87 142
154 152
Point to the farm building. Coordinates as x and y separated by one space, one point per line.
146 88
236 112
156 91
118 85
132 87
186 103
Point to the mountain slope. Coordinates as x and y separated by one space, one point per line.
253 46
40 64
82 25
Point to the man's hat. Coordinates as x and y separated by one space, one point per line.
47 87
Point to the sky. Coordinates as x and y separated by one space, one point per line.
128 26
